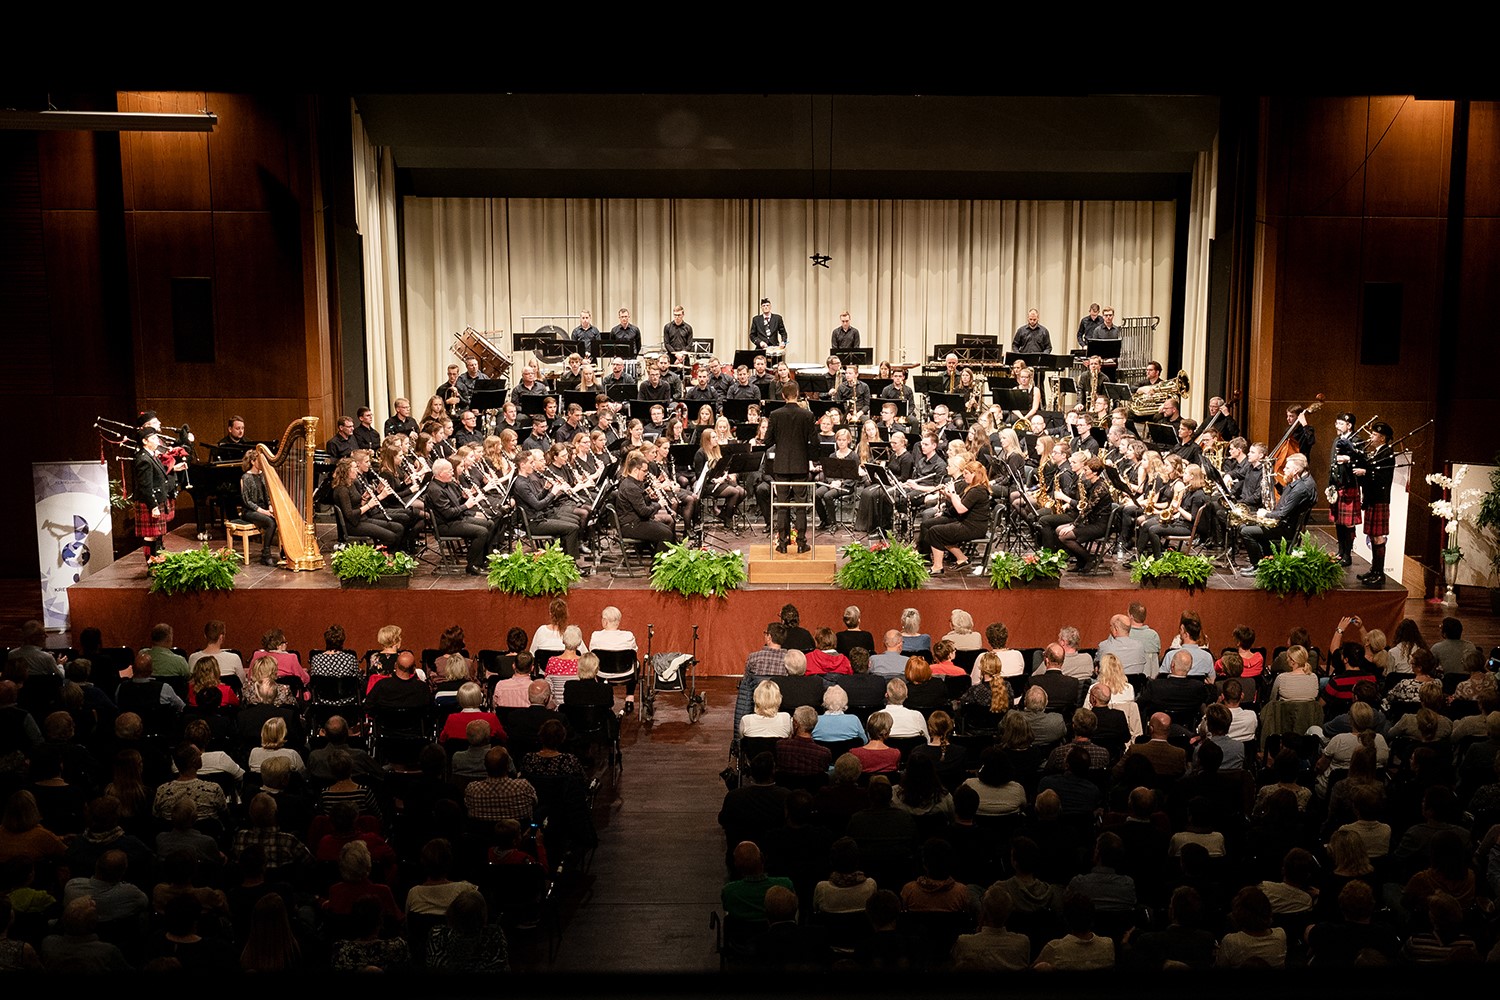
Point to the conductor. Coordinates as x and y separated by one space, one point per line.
791 435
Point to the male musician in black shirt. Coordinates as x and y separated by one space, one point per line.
570 425
928 470
767 328
401 422
852 390
654 388
626 332
468 431
761 374
845 337
1106 330
1218 419
742 388
617 375
365 434
1375 468
1297 498
700 393
1088 325
455 515
540 438
233 444
542 499
466 382
677 337
1250 483
510 421
793 434
656 426
1031 338
449 393
1153 376
1091 383
1087 437
528 386
586 335
1186 447
342 444
898 389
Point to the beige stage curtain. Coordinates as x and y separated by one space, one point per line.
387 352
911 273
1202 208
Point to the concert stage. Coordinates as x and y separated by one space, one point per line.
116 601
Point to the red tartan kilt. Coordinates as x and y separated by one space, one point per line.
1346 509
147 526
1378 520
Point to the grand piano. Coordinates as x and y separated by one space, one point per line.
214 482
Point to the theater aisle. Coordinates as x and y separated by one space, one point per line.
655 878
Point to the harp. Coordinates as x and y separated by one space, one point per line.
289 482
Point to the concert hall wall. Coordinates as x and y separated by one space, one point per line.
92 227
1360 190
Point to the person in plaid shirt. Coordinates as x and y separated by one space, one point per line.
281 849
797 753
767 661
501 795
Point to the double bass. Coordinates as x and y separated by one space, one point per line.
1285 449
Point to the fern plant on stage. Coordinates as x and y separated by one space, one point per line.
368 563
1008 569
697 572
881 565
546 572
1306 568
1190 571
193 570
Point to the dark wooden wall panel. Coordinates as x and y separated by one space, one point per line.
258 299
163 246
1324 147
249 152
82 356
71 180
165 171
1482 197
1408 170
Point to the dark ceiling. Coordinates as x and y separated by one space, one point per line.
1111 147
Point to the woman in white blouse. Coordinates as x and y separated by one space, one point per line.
768 719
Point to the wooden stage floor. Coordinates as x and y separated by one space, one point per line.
303 604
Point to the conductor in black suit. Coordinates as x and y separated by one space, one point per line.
792 435
767 329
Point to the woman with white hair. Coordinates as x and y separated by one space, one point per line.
768 719
913 640
563 666
834 725
963 635
612 638
588 688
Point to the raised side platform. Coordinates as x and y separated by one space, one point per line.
304 604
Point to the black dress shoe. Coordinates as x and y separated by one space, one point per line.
781 547
269 561
475 571
1374 580
803 548
1346 561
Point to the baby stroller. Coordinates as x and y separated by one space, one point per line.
670 672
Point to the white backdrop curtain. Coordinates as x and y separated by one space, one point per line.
387 352
1201 210
911 273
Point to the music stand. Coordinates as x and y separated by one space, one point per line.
702 346
822 406
640 409
621 392
1107 350
1162 434
1114 478
747 357
1066 386
584 399
1117 392
682 454
487 399
746 432
818 382
952 400
616 349
977 338
929 383
1032 360
856 356
877 385
738 410
1018 400
530 342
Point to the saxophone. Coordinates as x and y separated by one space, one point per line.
1084 502
1044 499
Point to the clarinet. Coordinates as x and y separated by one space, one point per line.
369 490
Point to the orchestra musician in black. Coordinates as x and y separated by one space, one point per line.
255 506
642 517
457 514
361 508
767 329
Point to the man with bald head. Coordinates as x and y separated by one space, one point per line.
524 726
1167 761
403 689
892 662
1131 652
1178 692
1062 690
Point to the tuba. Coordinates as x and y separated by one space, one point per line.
1148 401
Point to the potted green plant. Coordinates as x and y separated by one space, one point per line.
881 565
1042 568
193 570
372 567
1306 568
1488 521
697 572
1189 571
546 572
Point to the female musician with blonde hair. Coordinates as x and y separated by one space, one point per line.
970 518
1178 519
727 486
437 411
1026 382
